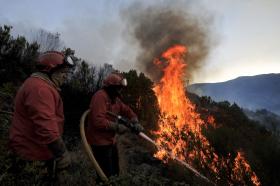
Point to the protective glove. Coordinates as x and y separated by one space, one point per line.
60 153
118 128
137 128
63 161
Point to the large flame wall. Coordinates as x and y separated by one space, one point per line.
180 125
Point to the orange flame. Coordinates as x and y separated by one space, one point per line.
241 167
211 121
180 126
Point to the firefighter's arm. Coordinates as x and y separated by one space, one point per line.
127 112
98 110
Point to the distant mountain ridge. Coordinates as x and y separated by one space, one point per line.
252 92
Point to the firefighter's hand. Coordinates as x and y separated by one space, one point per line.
118 128
63 161
137 128
62 157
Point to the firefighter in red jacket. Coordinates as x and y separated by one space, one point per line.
37 125
102 128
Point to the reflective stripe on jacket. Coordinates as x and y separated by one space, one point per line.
38 118
97 131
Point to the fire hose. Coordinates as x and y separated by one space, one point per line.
145 137
128 124
88 148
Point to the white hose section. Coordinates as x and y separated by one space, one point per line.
144 136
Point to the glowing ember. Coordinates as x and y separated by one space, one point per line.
180 126
211 121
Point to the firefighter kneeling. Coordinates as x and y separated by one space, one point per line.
37 125
102 127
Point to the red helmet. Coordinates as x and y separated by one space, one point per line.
51 60
114 80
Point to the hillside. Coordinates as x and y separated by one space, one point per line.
237 147
265 118
234 132
252 92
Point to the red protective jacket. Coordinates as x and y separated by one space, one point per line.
38 119
97 131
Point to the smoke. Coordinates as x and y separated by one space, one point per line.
158 27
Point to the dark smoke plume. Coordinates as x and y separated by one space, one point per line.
157 28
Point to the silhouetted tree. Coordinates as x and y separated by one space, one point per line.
102 73
84 77
47 41
140 96
17 57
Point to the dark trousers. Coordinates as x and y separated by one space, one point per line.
107 158
30 172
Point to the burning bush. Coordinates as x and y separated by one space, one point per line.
180 127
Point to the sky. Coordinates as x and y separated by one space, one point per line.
245 32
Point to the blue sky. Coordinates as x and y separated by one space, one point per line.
246 32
